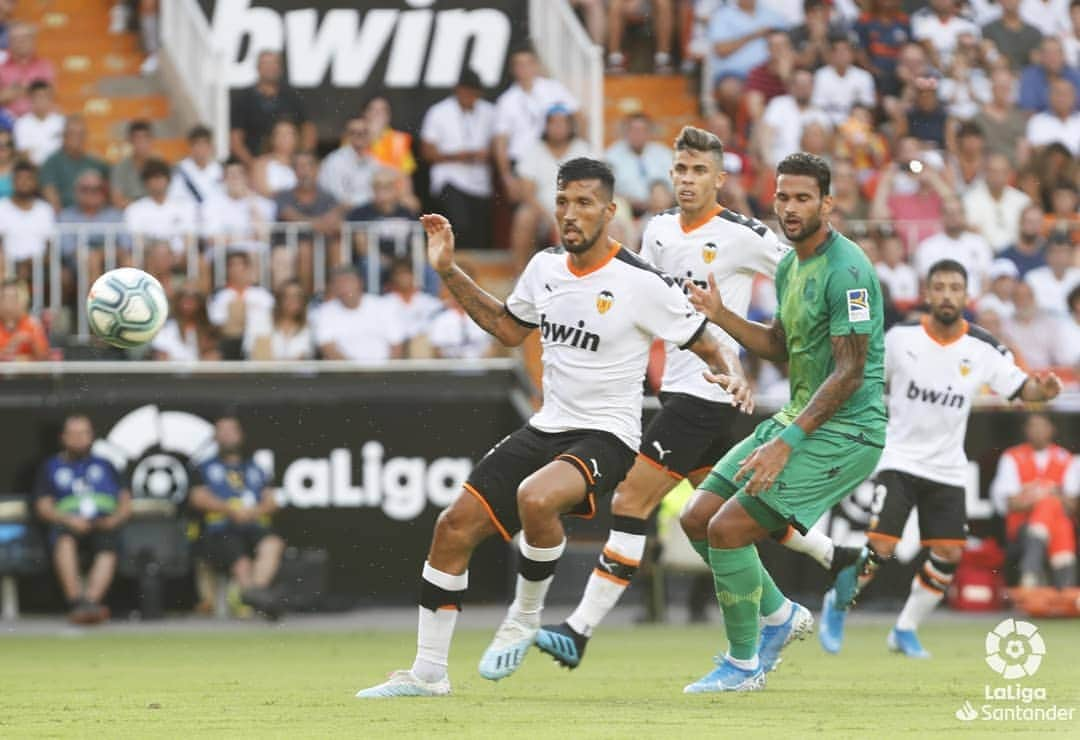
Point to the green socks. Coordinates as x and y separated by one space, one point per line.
772 598
701 547
739 585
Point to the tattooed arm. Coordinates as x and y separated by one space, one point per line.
486 310
849 359
767 341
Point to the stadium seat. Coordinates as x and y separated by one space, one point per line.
22 551
154 546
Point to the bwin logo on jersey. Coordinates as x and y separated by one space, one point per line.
604 301
575 336
708 253
938 398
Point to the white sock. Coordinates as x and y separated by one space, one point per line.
529 595
920 603
623 552
779 616
436 628
814 543
750 664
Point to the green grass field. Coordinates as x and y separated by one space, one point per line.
299 684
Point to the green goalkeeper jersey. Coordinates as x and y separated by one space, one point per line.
833 293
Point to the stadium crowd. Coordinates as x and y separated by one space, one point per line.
953 130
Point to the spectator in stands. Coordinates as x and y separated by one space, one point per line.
737 32
21 335
1071 42
1011 37
346 172
965 85
1027 252
1054 281
638 162
456 139
392 148
1033 331
453 334
538 171
27 223
7 164
22 67
92 207
993 206
288 335
840 85
239 307
1002 277
84 502
858 141
882 31
198 177
894 271
1051 17
125 181
255 110
67 163
240 218
7 7
848 200
956 242
926 118
188 335
237 505
1002 123
1035 82
940 29
384 225
1036 489
663 20
39 132
355 326
148 35
316 211
810 40
966 158
161 215
1061 122
780 128
273 171
772 77
1070 332
911 189
519 115
413 306
1064 216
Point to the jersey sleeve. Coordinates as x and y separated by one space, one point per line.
648 243
767 253
665 312
850 296
1003 376
521 303
891 350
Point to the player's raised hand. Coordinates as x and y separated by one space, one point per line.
741 393
440 242
1047 386
708 301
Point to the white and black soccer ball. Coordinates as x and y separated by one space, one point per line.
126 307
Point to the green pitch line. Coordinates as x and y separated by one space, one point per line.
293 685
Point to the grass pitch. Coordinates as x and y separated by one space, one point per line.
300 684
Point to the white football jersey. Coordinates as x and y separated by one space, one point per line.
930 390
730 246
596 329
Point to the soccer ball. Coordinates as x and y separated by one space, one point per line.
126 307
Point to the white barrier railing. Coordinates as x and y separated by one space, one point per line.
64 265
571 57
188 44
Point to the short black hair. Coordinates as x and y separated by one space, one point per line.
199 132
38 84
139 124
1074 296
586 168
400 263
23 165
947 265
969 128
810 165
234 162
155 167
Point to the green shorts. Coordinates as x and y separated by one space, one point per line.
821 471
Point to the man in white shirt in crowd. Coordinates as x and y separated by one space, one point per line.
958 243
239 306
998 299
1032 331
39 132
519 115
239 218
993 206
453 334
1051 17
637 162
1053 281
357 326
347 171
895 273
198 176
415 307
27 223
455 139
940 28
538 172
160 215
1060 123
780 129
840 85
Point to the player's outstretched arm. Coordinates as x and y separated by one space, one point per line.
486 310
849 359
767 342
725 370
1041 388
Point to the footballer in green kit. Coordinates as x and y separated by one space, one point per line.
813 452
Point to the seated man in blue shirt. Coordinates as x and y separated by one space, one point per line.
81 497
231 493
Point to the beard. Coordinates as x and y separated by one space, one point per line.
809 227
946 315
226 450
586 242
